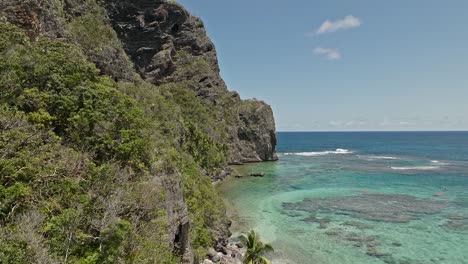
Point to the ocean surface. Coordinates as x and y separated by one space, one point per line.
358 197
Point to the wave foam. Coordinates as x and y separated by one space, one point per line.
416 168
375 157
320 153
440 163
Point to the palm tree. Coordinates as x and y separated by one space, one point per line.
255 249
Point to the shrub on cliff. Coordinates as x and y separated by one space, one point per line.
60 89
73 150
83 158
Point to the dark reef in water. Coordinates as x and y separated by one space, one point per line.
376 207
393 208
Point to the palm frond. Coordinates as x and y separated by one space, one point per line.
268 247
255 249
263 260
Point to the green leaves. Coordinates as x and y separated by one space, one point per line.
255 249
205 206
62 90
10 38
204 150
54 110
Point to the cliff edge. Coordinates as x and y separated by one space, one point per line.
163 39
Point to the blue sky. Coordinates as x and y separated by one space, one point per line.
375 65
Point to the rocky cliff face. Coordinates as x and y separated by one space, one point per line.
155 33
162 40
53 19
163 43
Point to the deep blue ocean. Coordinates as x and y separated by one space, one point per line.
436 145
359 197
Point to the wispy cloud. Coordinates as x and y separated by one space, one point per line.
340 24
397 123
352 123
329 53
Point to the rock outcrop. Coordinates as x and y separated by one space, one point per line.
38 18
256 132
56 20
178 218
163 40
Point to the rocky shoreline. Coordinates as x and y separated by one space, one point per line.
229 249
232 253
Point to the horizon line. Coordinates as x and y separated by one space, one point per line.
315 131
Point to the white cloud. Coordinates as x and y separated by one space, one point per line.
352 123
345 23
331 54
355 123
396 123
335 123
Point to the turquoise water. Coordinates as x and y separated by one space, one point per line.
359 197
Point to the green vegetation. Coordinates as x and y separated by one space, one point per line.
84 158
208 154
100 43
205 207
255 249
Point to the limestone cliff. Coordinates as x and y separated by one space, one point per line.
155 33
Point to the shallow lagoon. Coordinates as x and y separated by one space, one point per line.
374 200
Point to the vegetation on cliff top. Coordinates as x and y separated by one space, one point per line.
83 158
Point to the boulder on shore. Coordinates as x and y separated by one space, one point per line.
257 174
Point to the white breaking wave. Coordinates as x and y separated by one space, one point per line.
439 163
372 157
320 153
416 168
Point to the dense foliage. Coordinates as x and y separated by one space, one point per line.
83 157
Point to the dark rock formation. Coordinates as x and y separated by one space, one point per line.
258 174
257 132
167 44
178 218
229 254
36 17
